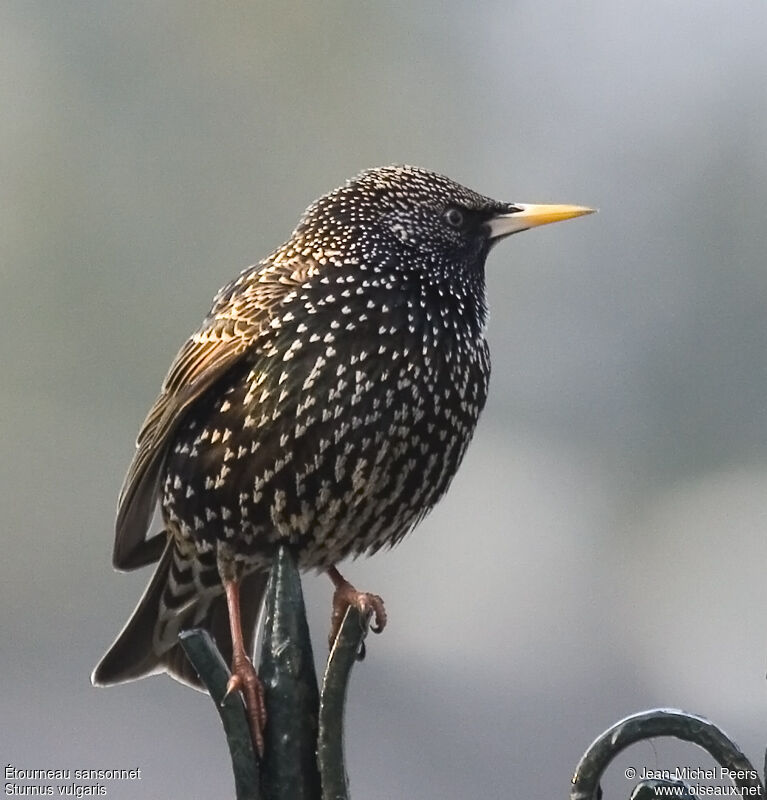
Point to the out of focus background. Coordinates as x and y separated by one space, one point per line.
603 548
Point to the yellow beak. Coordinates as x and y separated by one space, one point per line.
530 216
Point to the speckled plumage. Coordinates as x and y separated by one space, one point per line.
326 401
348 416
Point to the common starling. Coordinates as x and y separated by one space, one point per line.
325 402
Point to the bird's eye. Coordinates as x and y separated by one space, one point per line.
454 217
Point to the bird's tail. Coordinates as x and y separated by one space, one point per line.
183 593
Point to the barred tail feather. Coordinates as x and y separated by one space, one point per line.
183 593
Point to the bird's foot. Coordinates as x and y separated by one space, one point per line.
366 603
244 679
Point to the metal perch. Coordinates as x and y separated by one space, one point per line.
304 758
201 650
662 722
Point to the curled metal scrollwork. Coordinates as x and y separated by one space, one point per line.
663 722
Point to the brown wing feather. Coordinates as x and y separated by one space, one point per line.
240 312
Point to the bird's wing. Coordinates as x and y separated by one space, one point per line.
241 311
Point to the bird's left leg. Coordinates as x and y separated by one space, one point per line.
346 595
244 676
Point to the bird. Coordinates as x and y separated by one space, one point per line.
325 403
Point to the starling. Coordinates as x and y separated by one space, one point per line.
325 402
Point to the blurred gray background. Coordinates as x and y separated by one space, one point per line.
603 548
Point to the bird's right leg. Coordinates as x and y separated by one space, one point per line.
244 676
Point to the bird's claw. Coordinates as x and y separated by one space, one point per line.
244 679
372 604
368 604
234 684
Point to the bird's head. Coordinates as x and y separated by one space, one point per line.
407 217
